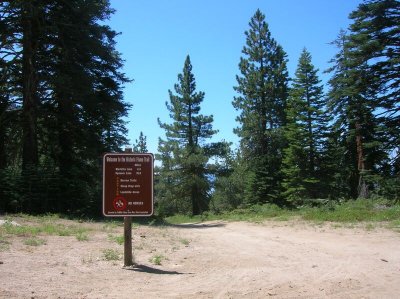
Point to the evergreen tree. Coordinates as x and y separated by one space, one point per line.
31 15
167 182
352 103
374 42
140 145
305 133
19 25
87 86
262 89
186 170
68 96
10 131
229 183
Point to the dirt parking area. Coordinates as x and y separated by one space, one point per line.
206 260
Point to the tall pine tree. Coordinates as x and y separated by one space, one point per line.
305 133
374 41
185 153
351 100
262 89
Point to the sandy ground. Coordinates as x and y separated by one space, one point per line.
209 260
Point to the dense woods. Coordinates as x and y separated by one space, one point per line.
61 104
301 143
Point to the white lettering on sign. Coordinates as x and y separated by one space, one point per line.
127 184
126 192
128 159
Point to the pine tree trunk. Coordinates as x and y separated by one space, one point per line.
65 157
3 161
29 87
195 201
362 185
65 140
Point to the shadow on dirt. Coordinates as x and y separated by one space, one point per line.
199 225
151 270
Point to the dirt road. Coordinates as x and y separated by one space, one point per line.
210 260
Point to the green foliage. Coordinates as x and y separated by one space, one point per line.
118 239
157 259
229 184
61 104
305 134
395 225
388 188
183 180
10 195
34 242
354 211
255 213
82 236
140 146
374 42
45 225
317 210
262 92
4 244
111 225
356 134
111 255
61 107
38 189
185 242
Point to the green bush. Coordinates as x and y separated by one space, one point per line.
355 211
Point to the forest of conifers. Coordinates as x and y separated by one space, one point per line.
301 143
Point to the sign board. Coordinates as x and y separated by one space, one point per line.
128 184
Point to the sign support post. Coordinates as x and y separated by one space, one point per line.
128 191
128 256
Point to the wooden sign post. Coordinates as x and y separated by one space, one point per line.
128 191
128 255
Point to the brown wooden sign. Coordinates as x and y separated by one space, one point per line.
128 184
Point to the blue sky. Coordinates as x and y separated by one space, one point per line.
156 36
